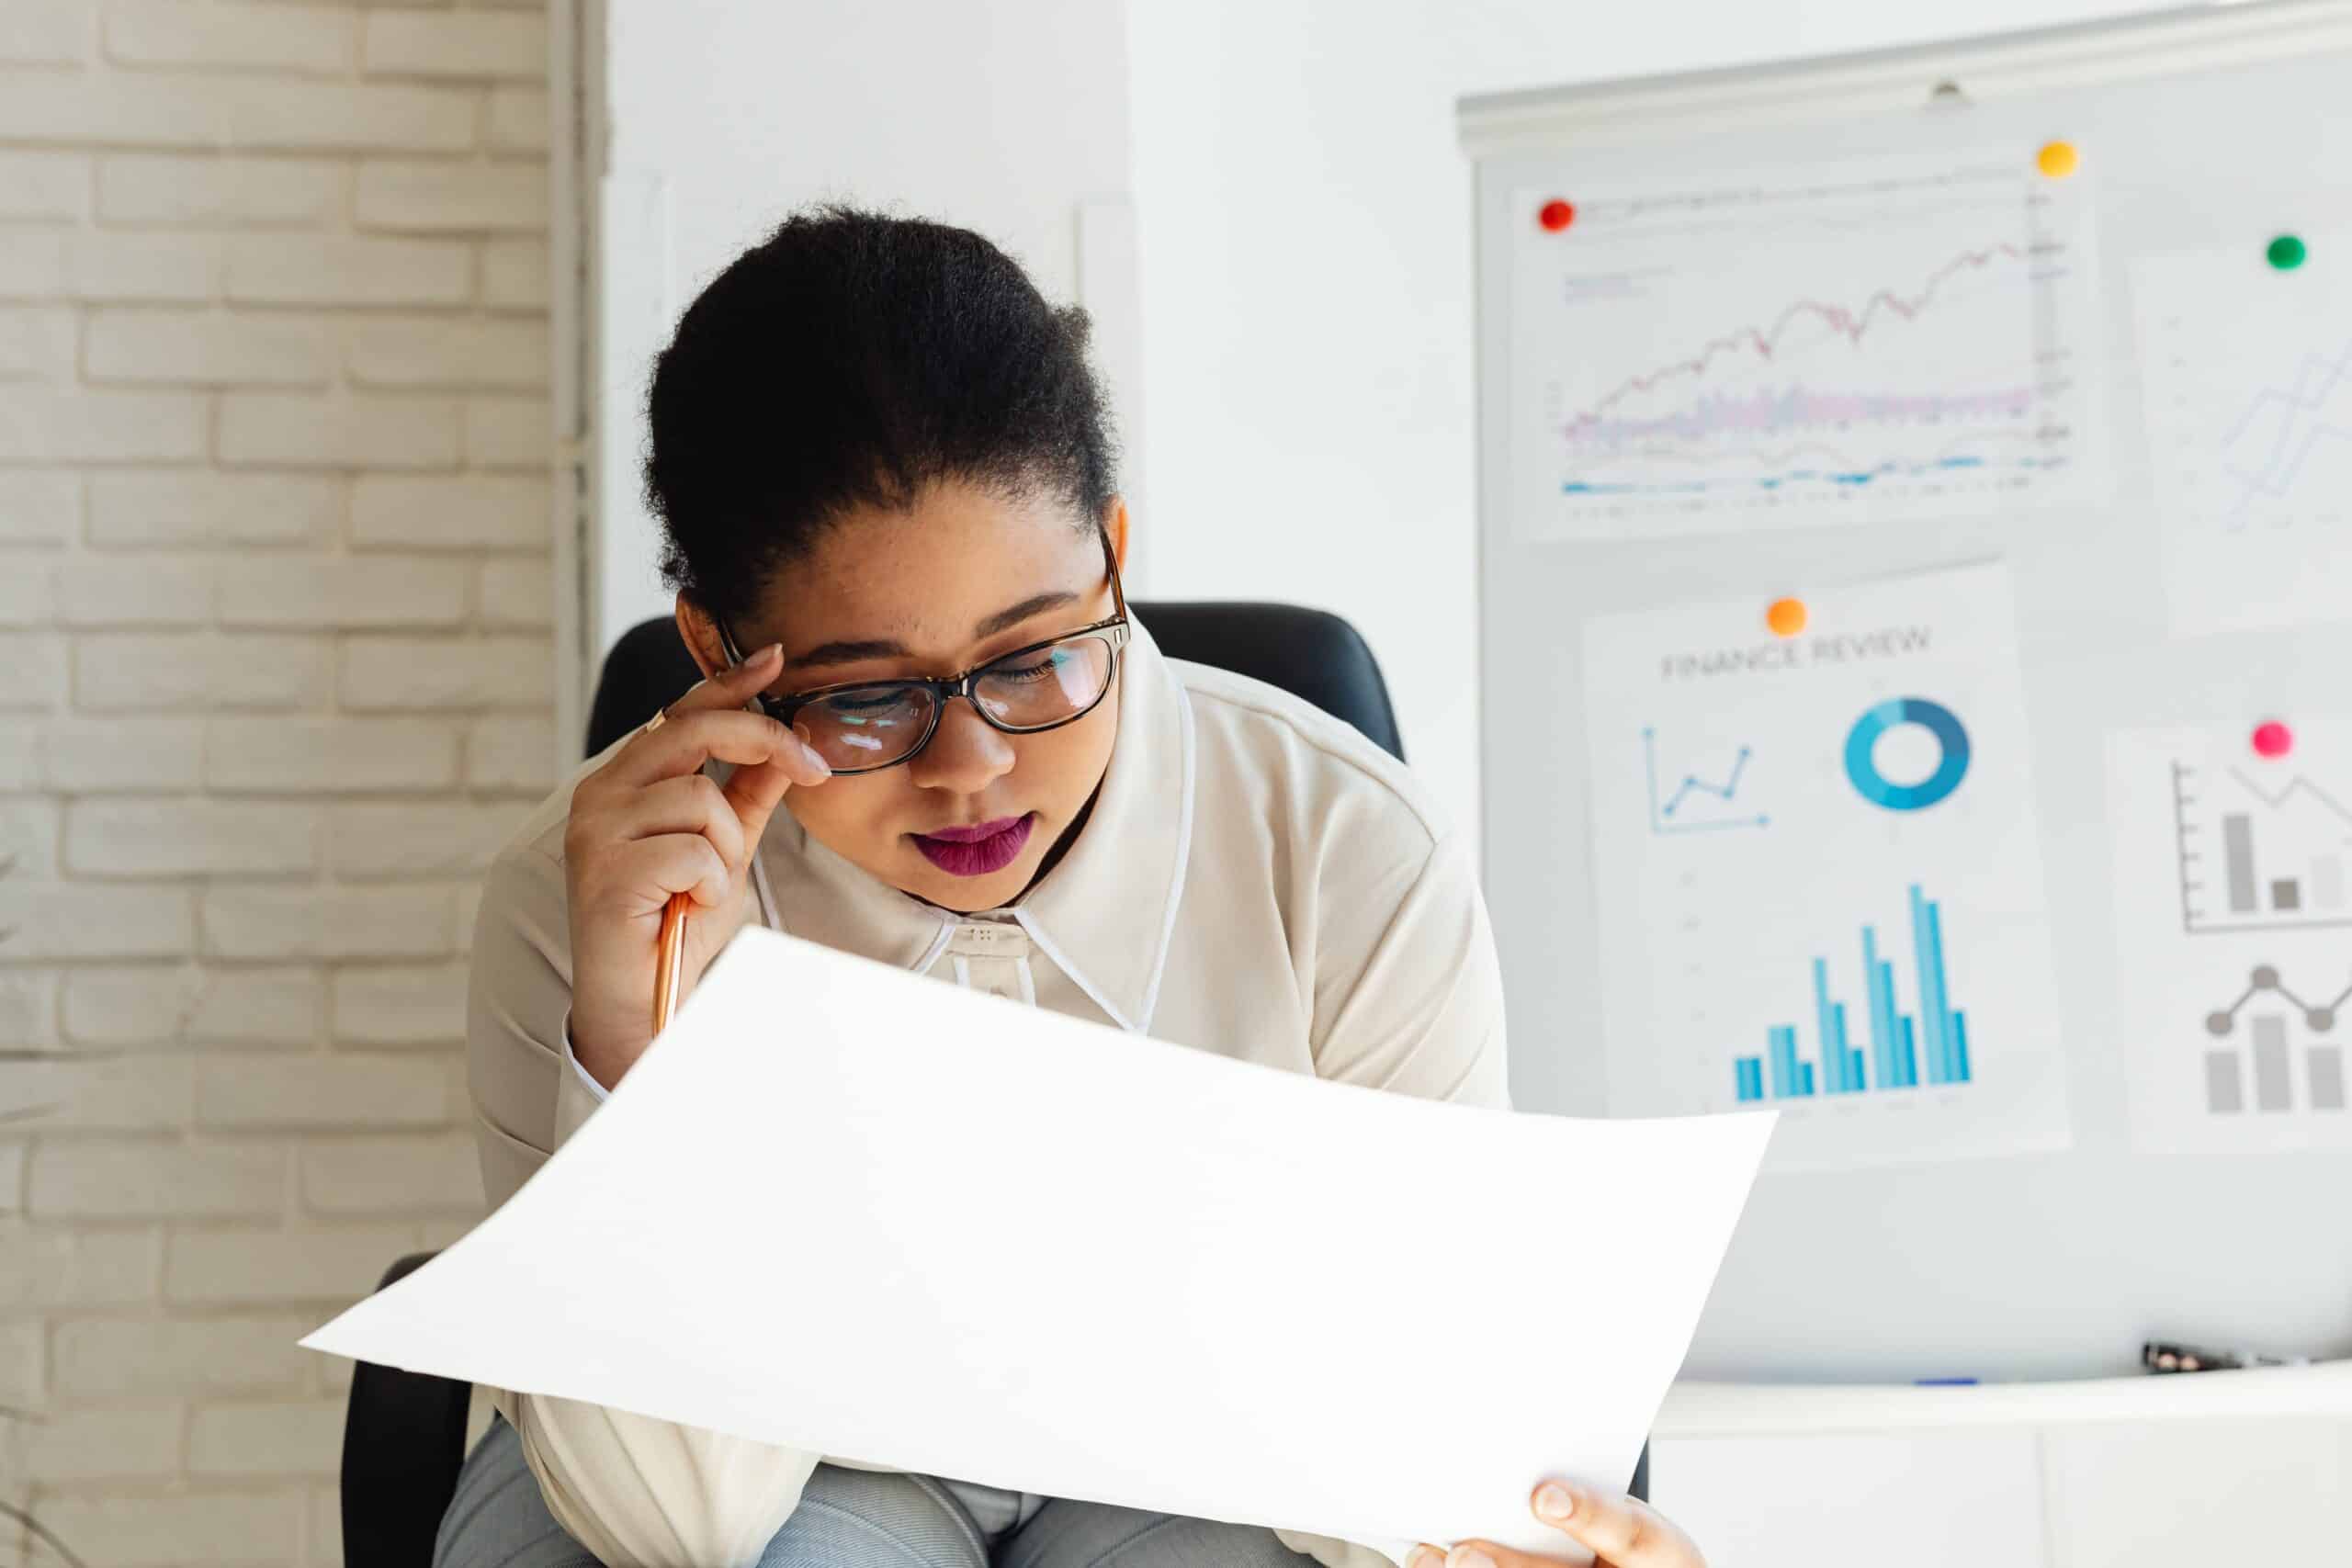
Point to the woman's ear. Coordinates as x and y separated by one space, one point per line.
700 634
1116 520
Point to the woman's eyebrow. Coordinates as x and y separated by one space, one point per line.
845 653
852 652
1023 611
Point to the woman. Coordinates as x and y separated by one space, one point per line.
882 467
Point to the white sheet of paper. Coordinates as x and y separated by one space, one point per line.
848 1208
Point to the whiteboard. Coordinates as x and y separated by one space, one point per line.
2200 134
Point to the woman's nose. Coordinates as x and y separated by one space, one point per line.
965 755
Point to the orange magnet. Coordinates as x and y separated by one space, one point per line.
1786 616
2057 159
2273 739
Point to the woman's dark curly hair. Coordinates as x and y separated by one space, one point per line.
853 359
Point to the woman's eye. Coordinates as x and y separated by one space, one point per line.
1037 667
864 704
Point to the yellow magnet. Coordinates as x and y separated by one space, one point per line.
2057 159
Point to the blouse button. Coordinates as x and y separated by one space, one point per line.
988 938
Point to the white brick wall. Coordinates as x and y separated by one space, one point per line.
276 678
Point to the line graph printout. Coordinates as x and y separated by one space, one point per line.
1695 805
1860 343
1818 873
2233 936
2249 410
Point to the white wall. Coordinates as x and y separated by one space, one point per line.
1306 233
1007 118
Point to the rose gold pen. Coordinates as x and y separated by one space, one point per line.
669 964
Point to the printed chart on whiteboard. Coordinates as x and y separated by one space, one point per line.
1853 344
2233 934
2250 431
1818 870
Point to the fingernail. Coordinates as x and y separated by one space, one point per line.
1552 1502
775 648
1422 1557
1468 1557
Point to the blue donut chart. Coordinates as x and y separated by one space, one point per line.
1875 787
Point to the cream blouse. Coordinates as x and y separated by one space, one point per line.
1256 879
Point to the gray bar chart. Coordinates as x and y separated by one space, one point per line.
2257 855
2270 1010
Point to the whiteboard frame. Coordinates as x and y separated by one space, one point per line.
2079 54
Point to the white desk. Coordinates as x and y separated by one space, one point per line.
2174 1471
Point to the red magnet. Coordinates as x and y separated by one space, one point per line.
2273 739
1556 215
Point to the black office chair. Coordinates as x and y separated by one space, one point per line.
403 1436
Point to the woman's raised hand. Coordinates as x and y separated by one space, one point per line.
649 823
1619 1532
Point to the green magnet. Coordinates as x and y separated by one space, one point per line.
2287 253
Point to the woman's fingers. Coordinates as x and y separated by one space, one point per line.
728 735
1478 1554
691 802
686 740
1619 1532
712 720
633 791
733 687
677 863
756 791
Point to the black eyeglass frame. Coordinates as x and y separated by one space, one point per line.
946 688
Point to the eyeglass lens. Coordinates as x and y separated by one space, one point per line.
872 726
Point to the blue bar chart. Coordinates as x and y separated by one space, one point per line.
1937 1031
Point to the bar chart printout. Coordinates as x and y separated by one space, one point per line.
1898 1039
1817 863
2258 852
2231 918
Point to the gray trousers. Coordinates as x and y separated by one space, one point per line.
862 1518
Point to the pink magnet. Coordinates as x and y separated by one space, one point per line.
2273 738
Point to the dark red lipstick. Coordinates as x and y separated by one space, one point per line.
978 850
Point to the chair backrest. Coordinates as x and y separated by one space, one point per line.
1311 654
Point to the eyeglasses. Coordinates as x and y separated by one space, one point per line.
862 727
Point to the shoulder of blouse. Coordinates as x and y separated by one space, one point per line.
1246 724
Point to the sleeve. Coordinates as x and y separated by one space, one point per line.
632 1490
1408 997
